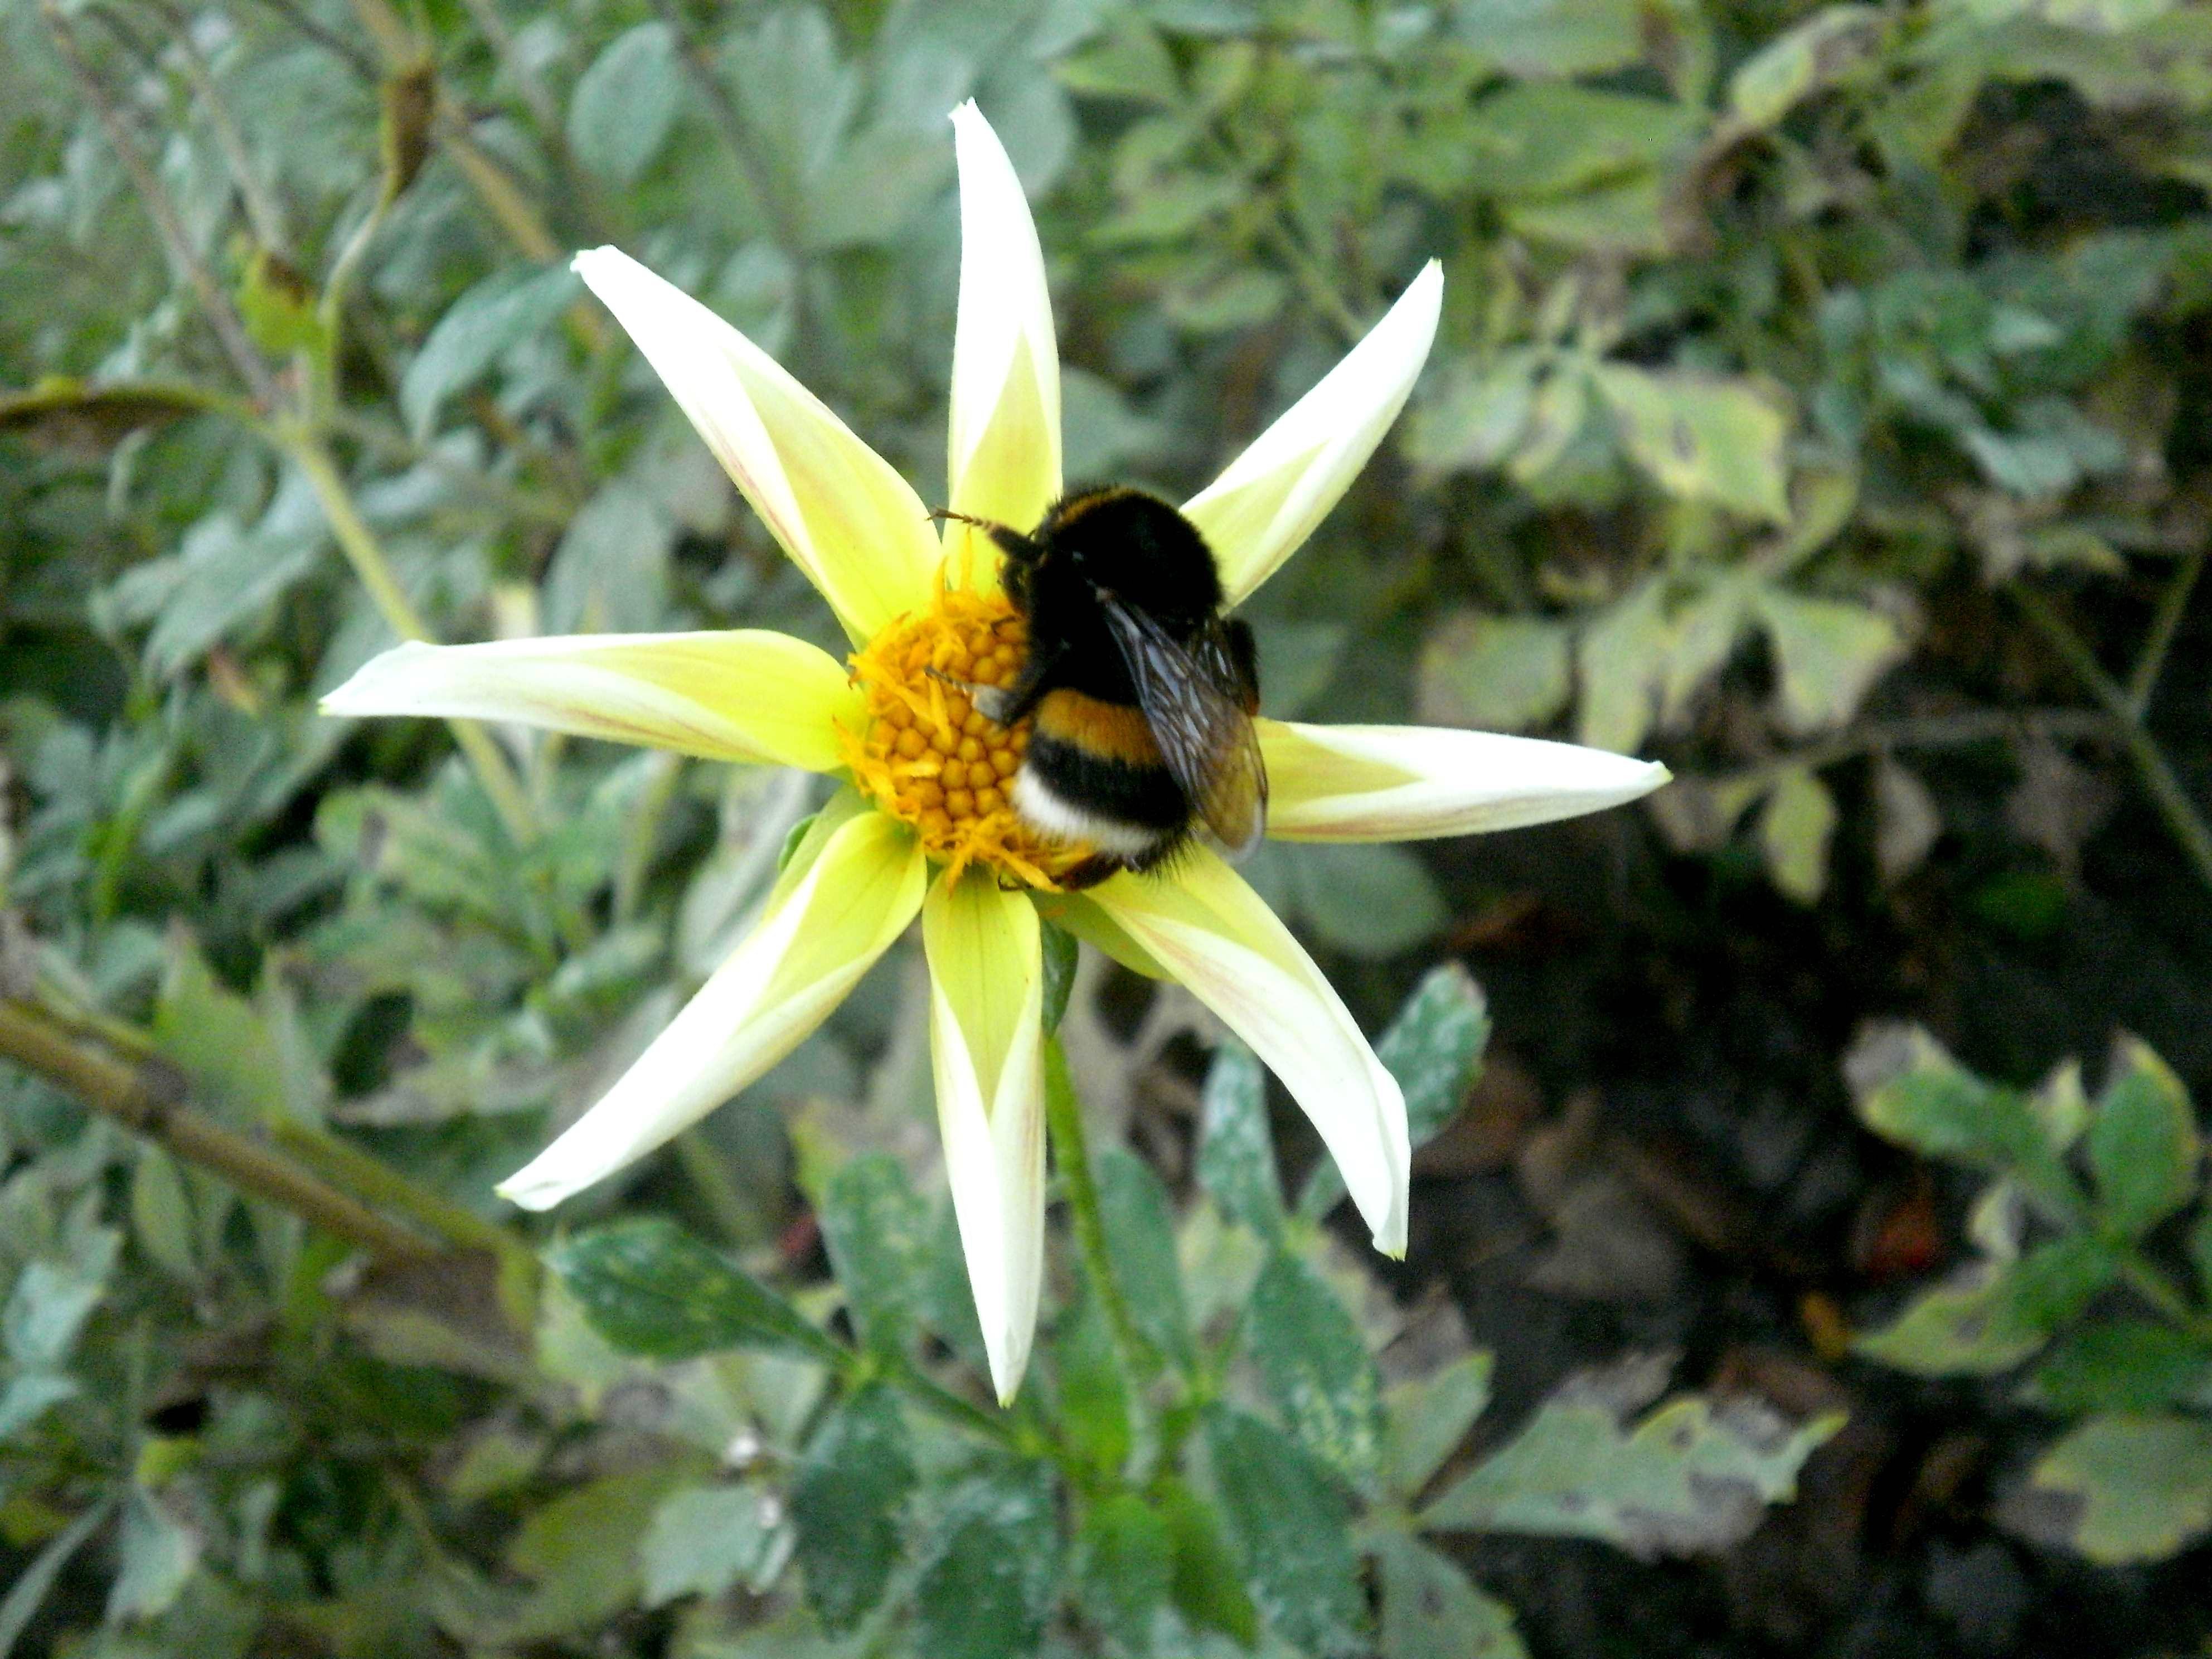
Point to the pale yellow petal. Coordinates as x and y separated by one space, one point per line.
987 997
1080 916
1005 459
746 695
1207 927
1260 511
851 889
1415 783
842 511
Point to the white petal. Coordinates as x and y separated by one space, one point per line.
1005 461
986 1001
848 892
1208 928
1259 511
842 511
745 695
1413 782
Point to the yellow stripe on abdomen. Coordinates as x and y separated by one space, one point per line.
1111 730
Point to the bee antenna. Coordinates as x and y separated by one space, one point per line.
939 514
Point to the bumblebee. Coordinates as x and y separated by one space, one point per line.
1139 693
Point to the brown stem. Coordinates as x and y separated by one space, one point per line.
149 1099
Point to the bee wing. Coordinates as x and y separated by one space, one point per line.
1197 700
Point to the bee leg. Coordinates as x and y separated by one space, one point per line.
996 703
1099 867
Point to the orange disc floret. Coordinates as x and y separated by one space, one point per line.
933 760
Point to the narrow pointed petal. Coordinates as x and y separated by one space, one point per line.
986 1002
745 695
850 892
1218 937
1414 782
843 514
1259 511
1005 461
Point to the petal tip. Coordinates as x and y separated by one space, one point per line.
527 1194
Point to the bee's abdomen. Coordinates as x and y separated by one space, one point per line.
1092 772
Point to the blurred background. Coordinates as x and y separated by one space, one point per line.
1823 405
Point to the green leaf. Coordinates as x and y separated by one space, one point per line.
158 1555
1235 1147
1433 1048
1129 61
652 1290
1828 653
30 1396
2143 1144
498 313
581 1550
1620 660
1801 61
1702 438
1426 1420
1924 1099
625 103
2120 1489
219 1038
162 1214
1544 138
1692 1475
51 1300
1794 827
2127 1365
1287 1520
28 1593
1430 1609
1139 1227
1533 38
1370 899
1207 1588
1059 964
1316 1367
845 1502
1125 1569
877 1231
703 1540
1496 673
987 1591
1093 1396
1990 1317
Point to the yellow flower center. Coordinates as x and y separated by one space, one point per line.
930 758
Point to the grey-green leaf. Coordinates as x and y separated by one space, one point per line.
1235 1147
1287 1522
2143 1143
987 1591
1430 1610
1692 1475
652 1290
846 1501
703 1540
625 102
498 313
1426 1420
1316 1367
2120 1489
877 1229
1140 1244
1126 1565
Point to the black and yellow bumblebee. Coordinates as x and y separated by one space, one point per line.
1139 693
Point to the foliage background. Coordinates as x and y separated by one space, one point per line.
1821 404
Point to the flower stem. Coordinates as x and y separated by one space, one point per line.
1063 1113
366 555
148 1098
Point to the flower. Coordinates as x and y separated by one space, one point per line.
922 824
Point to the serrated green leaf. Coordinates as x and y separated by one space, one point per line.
1695 1474
1125 1567
1433 1046
1702 438
2120 1489
1235 1146
1425 1420
1207 1588
507 307
845 1502
1316 1367
1139 1228
987 1589
1794 829
1430 1610
2126 1365
652 1290
1927 1101
625 103
1992 1315
2144 1145
1287 1523
877 1230
1495 673
1828 653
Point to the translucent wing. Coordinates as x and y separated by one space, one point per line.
1197 699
